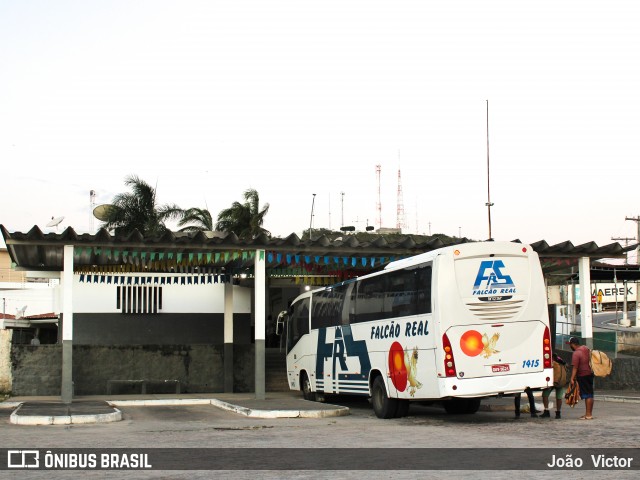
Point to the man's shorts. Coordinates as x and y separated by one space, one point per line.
586 386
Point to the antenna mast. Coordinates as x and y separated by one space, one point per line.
313 203
92 206
379 204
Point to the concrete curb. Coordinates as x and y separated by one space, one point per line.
615 398
17 419
159 402
256 413
116 416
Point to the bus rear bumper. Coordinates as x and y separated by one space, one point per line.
496 386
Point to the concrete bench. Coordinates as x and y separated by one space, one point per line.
143 384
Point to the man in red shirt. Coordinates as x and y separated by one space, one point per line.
583 374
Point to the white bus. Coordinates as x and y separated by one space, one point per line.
452 325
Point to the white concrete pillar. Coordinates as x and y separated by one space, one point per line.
637 305
259 320
625 322
66 389
228 337
586 316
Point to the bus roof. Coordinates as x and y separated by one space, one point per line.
476 247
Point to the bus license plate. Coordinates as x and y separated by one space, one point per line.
499 368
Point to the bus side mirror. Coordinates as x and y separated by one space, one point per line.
282 317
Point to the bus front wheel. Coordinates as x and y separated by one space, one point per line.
306 389
383 406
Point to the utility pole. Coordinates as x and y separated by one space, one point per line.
488 204
625 315
342 205
626 241
637 220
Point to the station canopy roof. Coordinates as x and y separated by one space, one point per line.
226 253
601 272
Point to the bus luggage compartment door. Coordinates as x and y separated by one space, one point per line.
484 350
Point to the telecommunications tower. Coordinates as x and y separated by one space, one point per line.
400 213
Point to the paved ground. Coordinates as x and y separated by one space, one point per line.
100 409
165 425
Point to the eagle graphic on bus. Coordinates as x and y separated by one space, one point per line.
403 368
474 343
411 362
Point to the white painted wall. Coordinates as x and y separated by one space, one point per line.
39 300
101 298
176 298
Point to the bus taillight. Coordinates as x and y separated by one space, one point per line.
449 362
546 348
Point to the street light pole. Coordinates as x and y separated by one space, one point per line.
313 202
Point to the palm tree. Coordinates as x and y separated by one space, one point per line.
138 210
244 219
196 220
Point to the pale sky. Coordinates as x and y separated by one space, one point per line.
206 99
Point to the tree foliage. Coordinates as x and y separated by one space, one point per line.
138 210
196 220
244 219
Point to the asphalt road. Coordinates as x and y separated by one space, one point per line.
612 319
615 427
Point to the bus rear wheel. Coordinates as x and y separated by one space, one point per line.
306 388
383 406
456 406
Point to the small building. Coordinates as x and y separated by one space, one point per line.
189 311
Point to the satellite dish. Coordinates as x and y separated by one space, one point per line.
55 221
101 212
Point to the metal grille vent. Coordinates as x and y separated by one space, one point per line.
496 310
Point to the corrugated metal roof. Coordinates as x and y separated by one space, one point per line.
35 250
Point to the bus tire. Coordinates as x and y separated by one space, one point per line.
403 408
383 406
457 406
473 405
306 388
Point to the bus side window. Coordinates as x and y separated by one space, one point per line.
370 299
298 323
424 290
400 300
348 306
325 308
